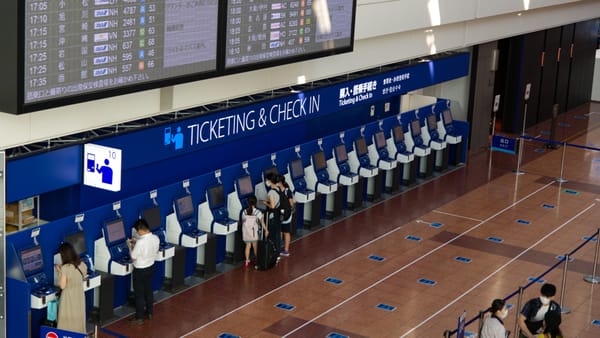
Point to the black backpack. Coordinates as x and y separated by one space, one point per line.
285 208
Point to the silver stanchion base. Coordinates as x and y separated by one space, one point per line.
561 180
565 309
518 172
592 279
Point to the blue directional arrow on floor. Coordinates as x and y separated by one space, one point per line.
227 335
547 206
571 192
463 259
495 239
336 335
377 258
386 307
537 280
523 221
436 225
413 238
284 306
334 280
427 281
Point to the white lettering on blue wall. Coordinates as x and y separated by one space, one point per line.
258 118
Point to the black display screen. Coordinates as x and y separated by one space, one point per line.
447 116
74 48
380 140
269 31
245 186
398 134
114 231
184 207
415 127
361 146
216 196
152 216
319 160
32 260
340 153
77 240
431 122
297 169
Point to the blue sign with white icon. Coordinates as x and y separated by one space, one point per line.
102 167
504 144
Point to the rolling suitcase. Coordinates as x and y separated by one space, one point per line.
266 255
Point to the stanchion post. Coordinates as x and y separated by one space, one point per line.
519 300
593 278
562 164
563 307
447 334
520 156
551 144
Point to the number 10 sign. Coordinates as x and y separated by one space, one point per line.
102 167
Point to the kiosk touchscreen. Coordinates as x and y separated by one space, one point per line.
297 169
245 187
398 134
152 216
431 122
341 154
447 117
415 128
77 240
319 161
271 170
154 219
184 209
32 263
380 141
116 240
361 147
216 199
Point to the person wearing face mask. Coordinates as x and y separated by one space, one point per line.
531 318
493 326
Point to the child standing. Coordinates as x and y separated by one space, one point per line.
251 218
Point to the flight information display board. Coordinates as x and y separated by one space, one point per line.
268 31
75 47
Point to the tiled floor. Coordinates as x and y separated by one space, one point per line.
511 227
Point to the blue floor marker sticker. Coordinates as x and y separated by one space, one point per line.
537 280
548 206
592 239
377 258
386 307
227 335
436 225
561 257
413 238
335 335
285 306
463 259
596 322
571 192
508 306
495 239
540 150
523 221
427 281
469 334
334 280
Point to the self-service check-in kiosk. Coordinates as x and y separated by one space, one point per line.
32 264
237 201
182 230
360 163
414 143
213 217
340 171
77 240
166 250
432 138
449 134
304 194
318 179
111 253
380 157
260 189
405 158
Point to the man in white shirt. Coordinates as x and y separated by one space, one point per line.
144 251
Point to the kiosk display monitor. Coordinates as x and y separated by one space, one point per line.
32 260
77 240
297 168
398 134
447 116
319 160
415 128
380 140
340 153
431 122
152 216
245 186
361 146
114 231
216 196
184 207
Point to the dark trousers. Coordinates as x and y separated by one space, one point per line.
142 288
